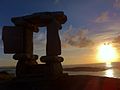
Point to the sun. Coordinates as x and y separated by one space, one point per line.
107 53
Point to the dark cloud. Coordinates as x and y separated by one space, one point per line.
76 39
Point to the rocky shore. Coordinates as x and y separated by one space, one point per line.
72 82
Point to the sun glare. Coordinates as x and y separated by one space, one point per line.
107 53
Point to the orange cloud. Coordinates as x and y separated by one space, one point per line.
103 17
76 39
117 39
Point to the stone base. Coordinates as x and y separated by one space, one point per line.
42 71
52 69
54 66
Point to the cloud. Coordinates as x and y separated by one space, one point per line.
106 33
103 17
71 37
116 4
76 39
39 40
117 39
40 37
116 42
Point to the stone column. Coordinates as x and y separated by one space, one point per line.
26 57
53 49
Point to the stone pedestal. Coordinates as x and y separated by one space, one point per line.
24 63
53 64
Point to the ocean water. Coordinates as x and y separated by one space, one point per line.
114 73
10 70
112 70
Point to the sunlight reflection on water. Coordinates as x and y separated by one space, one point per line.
109 73
108 64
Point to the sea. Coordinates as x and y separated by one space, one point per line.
111 70
103 70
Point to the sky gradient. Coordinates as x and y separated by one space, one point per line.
90 23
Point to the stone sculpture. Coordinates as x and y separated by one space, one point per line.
22 44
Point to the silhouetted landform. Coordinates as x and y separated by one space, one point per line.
116 65
73 82
6 76
93 69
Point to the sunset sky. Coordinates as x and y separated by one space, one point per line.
90 23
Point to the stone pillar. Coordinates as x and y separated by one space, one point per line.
53 49
26 57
